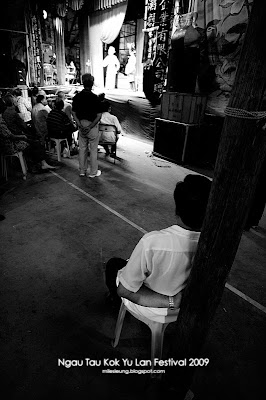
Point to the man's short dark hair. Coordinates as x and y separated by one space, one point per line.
87 80
9 100
101 96
105 105
191 198
60 94
59 104
17 92
34 90
40 98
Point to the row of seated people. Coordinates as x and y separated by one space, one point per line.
17 136
27 127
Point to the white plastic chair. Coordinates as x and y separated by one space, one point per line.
22 161
157 328
106 134
58 147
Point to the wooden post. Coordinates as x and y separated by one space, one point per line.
240 156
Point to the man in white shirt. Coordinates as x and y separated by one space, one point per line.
24 106
67 106
39 116
153 278
109 119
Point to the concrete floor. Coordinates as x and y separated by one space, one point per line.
59 232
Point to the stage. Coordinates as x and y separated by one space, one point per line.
135 113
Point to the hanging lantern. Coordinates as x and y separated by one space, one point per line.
61 8
75 4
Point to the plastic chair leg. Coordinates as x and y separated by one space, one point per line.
119 324
157 337
58 150
3 167
23 164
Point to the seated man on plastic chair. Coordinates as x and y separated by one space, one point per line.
153 278
109 119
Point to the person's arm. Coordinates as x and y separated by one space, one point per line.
148 298
21 124
76 119
132 278
95 121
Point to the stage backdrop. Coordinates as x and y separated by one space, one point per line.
224 22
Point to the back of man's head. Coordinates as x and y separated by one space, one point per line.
9 100
61 95
17 92
105 105
59 104
87 80
191 198
40 98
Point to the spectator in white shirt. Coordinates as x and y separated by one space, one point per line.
110 119
24 106
153 278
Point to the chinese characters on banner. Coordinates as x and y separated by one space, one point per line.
37 50
156 40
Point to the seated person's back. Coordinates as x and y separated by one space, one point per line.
161 262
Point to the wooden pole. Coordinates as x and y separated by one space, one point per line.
240 156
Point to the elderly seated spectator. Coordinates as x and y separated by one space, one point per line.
24 106
39 118
12 118
11 143
67 106
110 119
33 95
58 123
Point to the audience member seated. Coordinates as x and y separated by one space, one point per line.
153 278
34 94
39 116
109 119
11 143
58 123
12 118
24 106
67 106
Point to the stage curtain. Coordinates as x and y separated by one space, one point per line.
104 27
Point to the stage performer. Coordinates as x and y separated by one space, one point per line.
130 70
113 65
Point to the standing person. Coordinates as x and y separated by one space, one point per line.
39 116
86 108
109 119
130 69
153 278
112 63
